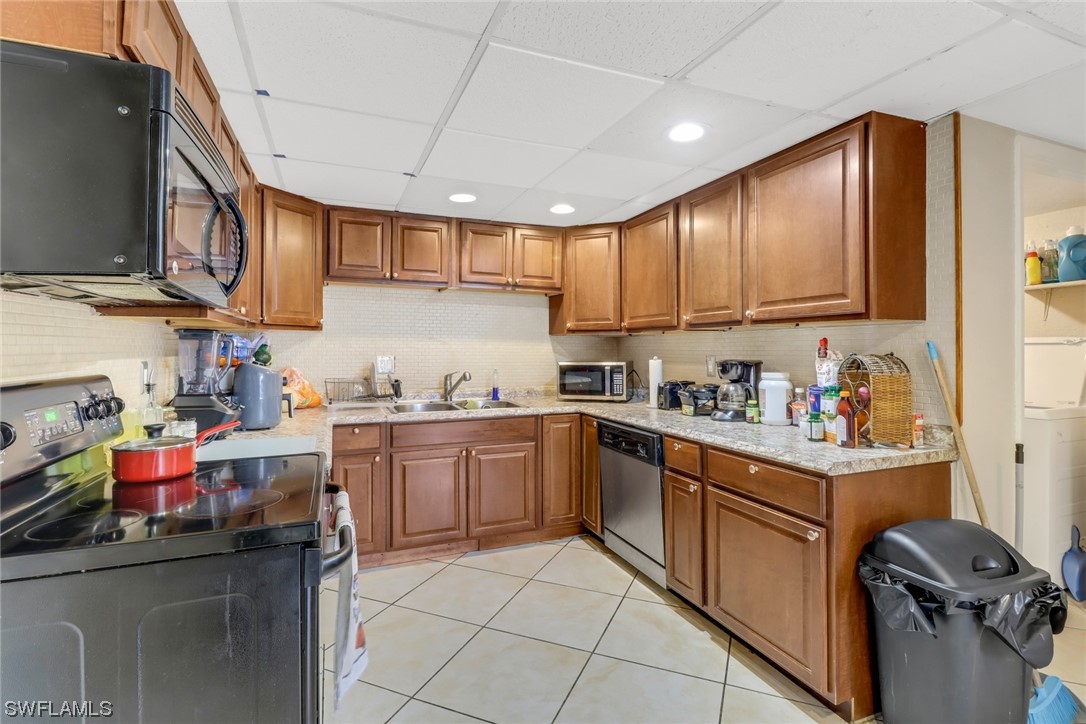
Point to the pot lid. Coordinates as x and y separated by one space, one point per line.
148 444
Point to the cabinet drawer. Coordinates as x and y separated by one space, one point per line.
468 431
355 437
683 455
782 488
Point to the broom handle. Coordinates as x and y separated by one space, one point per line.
958 437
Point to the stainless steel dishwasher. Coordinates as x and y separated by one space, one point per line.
631 463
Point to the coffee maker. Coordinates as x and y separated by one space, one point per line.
199 382
741 385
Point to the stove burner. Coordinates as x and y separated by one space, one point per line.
87 527
227 502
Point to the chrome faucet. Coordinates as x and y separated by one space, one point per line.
450 386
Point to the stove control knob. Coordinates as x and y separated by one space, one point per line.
103 409
7 435
91 411
116 405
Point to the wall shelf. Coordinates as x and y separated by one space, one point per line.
1047 290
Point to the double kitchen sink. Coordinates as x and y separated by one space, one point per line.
451 406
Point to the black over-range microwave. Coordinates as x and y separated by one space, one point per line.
113 191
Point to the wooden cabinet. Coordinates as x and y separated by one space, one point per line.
502 490
767 581
537 258
649 275
359 244
420 250
710 254
590 302
591 508
683 536
91 26
561 469
153 33
293 280
197 86
486 253
364 478
228 146
429 490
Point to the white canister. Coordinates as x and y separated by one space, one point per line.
775 398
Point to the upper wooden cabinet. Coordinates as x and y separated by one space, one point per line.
92 26
649 257
590 301
198 87
711 254
359 244
420 249
293 280
154 34
486 253
537 257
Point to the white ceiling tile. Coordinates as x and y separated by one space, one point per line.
798 130
312 133
729 123
430 195
615 177
995 61
330 56
1069 15
649 37
1052 107
531 97
241 111
623 213
809 54
677 187
533 207
490 159
212 29
263 166
471 17
341 182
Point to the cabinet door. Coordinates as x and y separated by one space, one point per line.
767 582
805 232
591 510
683 508
486 253
429 497
152 32
228 146
710 254
365 480
91 26
420 250
293 280
537 258
502 489
561 469
592 300
245 299
198 87
359 244
649 274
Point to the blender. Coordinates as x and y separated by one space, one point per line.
742 385
199 381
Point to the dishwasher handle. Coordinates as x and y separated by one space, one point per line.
645 446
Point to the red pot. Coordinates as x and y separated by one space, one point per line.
160 458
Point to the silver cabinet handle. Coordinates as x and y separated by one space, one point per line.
750 314
693 487
518 281
463 453
812 535
509 280
473 453
395 275
355 431
376 458
686 317
243 310
387 275
569 325
677 446
752 469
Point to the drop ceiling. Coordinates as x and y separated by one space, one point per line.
398 105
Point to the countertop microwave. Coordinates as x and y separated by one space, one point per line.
598 381
114 193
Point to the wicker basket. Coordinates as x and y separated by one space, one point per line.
891 387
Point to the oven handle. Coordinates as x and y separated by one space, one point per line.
335 560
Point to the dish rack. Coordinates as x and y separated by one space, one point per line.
344 391
891 386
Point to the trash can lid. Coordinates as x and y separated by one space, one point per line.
954 558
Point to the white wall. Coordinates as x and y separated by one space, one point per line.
1052 225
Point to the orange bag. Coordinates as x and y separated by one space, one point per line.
305 395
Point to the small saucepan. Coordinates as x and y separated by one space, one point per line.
160 458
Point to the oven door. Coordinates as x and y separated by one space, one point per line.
583 382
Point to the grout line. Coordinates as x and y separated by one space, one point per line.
724 690
454 711
398 710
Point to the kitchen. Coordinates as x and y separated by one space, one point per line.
320 295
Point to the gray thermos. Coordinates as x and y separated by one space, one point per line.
259 391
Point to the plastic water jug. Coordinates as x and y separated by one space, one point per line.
1072 249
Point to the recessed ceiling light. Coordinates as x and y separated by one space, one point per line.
686 132
562 209
462 198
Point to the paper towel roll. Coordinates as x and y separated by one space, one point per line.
656 376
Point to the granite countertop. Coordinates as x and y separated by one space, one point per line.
781 444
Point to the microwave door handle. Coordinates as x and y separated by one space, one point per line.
205 237
243 245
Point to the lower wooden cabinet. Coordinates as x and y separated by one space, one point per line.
561 469
767 582
591 509
365 479
501 489
683 536
429 497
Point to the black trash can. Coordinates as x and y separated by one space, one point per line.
960 619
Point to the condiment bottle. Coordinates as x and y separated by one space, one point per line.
812 427
1033 268
830 395
799 407
846 421
753 413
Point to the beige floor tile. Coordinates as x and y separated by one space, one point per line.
582 542
524 561
617 691
751 707
1076 613
446 559
643 589
505 678
363 704
667 637
586 569
419 712
748 670
407 647
327 605
1069 662
370 608
390 583
463 593
559 614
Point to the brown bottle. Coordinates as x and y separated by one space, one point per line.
846 421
